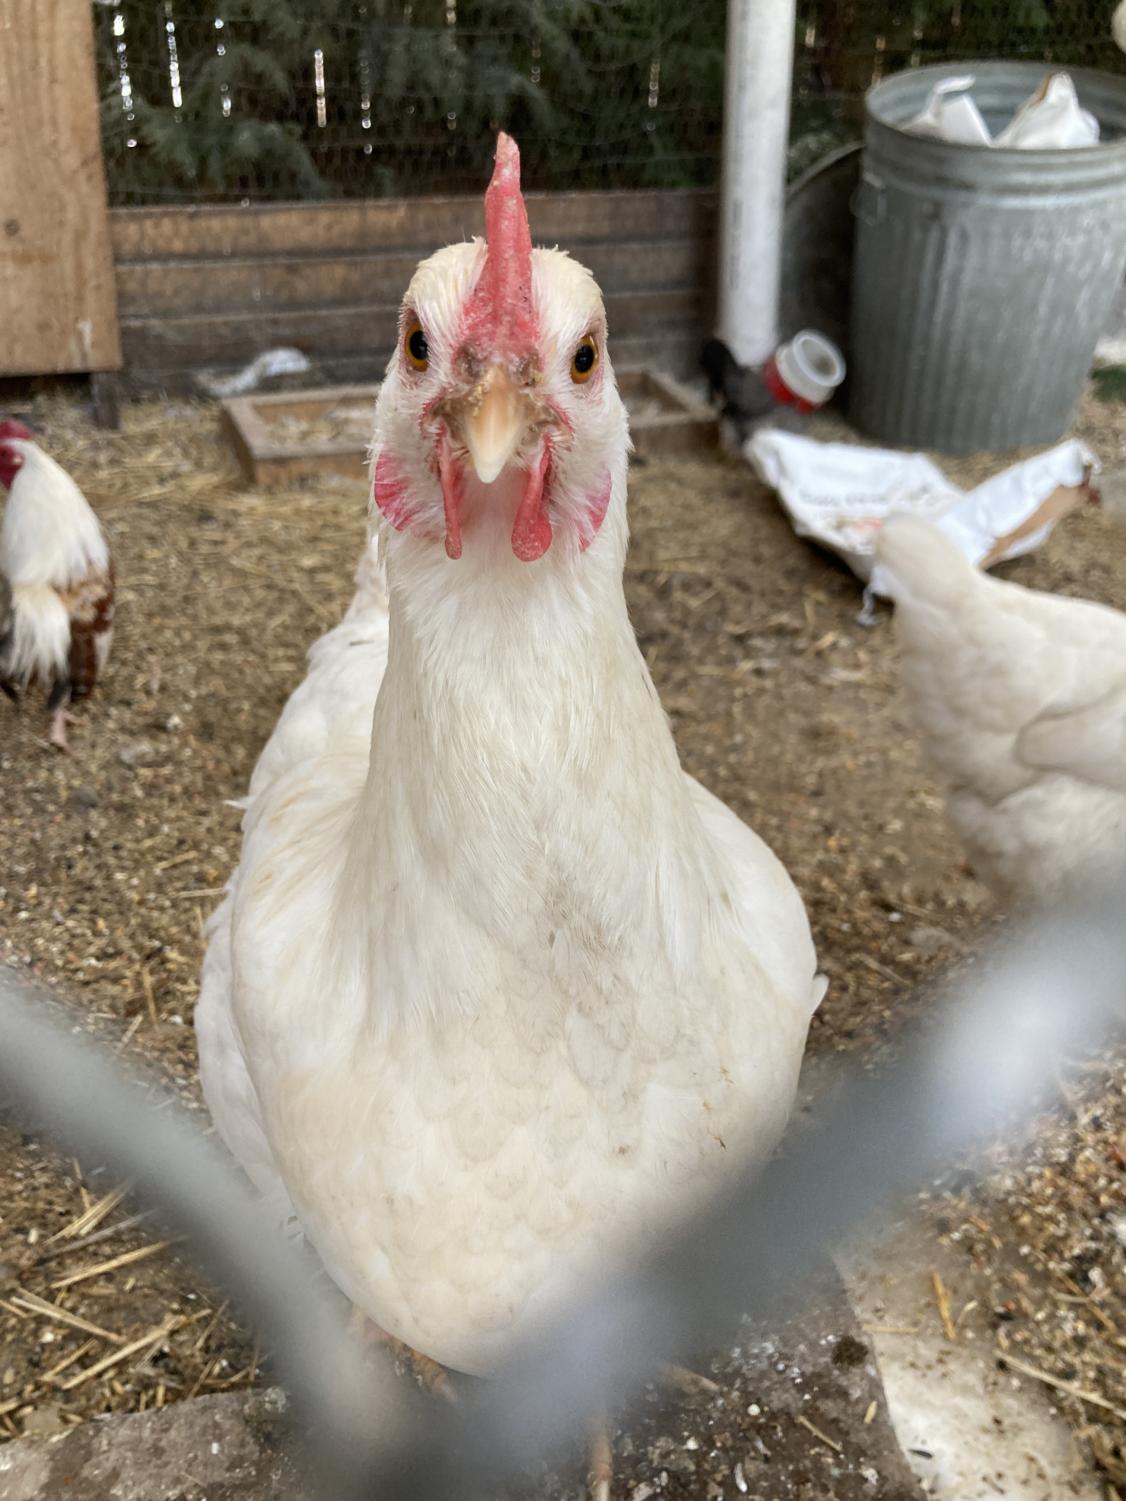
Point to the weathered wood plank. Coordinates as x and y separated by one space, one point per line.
57 298
224 339
415 224
158 288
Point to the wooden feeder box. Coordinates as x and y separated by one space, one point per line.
291 437
665 418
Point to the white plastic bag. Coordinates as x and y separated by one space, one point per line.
1051 119
271 363
839 494
951 114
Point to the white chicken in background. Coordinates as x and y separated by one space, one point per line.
1020 700
1118 25
56 557
496 987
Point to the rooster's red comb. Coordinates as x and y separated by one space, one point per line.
14 429
499 315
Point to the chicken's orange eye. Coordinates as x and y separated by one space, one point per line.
585 359
418 350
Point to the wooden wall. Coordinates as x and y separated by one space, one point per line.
213 286
56 274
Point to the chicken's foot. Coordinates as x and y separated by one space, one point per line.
431 1376
601 1461
59 721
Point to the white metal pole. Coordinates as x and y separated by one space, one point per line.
760 60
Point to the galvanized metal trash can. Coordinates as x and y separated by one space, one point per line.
983 277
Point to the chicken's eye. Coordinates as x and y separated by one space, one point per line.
585 359
418 350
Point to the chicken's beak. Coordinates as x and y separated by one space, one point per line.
493 421
497 416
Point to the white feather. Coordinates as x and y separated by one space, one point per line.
39 644
335 698
50 534
1020 699
345 667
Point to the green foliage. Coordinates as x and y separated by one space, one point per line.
844 46
196 149
1069 31
600 93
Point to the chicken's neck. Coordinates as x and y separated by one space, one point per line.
524 790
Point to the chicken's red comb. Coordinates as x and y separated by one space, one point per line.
499 315
14 429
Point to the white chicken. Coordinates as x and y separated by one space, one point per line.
496 987
1118 24
56 557
1020 699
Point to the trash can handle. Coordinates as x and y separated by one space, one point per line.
868 201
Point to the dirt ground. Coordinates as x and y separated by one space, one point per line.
781 703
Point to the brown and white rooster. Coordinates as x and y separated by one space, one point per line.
57 560
496 987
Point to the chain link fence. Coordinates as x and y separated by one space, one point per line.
266 100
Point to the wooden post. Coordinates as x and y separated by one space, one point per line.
58 304
105 391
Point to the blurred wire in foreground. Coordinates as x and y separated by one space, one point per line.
969 1071
70 1089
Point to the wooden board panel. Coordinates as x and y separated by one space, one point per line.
181 287
266 460
57 298
666 417
416 224
225 339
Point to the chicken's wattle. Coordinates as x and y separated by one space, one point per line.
531 534
449 474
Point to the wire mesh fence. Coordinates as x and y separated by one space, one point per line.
347 99
845 46
976 1066
263 100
